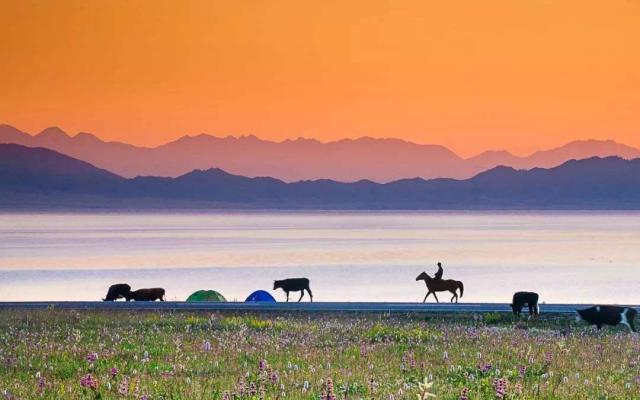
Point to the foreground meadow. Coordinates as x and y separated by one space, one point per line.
55 354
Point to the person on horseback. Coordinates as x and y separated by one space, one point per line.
437 284
438 275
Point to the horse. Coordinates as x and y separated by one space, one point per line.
440 285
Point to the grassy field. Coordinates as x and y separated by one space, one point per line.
53 354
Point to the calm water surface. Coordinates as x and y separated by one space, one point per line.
566 257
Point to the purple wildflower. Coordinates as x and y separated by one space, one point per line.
89 381
484 367
548 357
92 357
522 370
500 386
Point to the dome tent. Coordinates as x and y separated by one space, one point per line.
206 295
260 296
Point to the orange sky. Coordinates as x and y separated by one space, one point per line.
472 75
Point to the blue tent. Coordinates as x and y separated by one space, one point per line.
260 295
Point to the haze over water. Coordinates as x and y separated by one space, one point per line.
570 257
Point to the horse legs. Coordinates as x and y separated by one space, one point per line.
425 297
310 294
301 294
455 296
434 295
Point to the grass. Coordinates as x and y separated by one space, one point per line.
56 354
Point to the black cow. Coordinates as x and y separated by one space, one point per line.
117 291
528 298
294 285
608 315
146 295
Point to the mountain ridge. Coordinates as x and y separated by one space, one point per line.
348 160
39 177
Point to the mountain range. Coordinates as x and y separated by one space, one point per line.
42 178
378 160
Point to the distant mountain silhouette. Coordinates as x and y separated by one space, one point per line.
37 177
379 160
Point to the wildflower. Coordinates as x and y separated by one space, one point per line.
274 377
424 387
206 346
42 383
522 370
518 388
500 387
328 394
548 357
113 371
464 394
262 365
123 387
92 357
226 395
89 381
484 367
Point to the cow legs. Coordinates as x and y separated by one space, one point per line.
301 295
287 296
632 327
627 321
310 294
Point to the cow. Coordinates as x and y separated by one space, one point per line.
528 298
146 295
117 291
294 285
608 315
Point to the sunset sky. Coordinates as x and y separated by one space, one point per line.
472 75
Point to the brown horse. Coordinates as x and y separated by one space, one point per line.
440 285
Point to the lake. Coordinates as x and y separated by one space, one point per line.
567 257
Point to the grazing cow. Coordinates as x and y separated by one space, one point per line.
608 315
117 291
146 295
294 285
528 298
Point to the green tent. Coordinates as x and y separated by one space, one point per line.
206 295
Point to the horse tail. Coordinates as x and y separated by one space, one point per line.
461 286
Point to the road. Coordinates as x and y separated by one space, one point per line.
303 307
